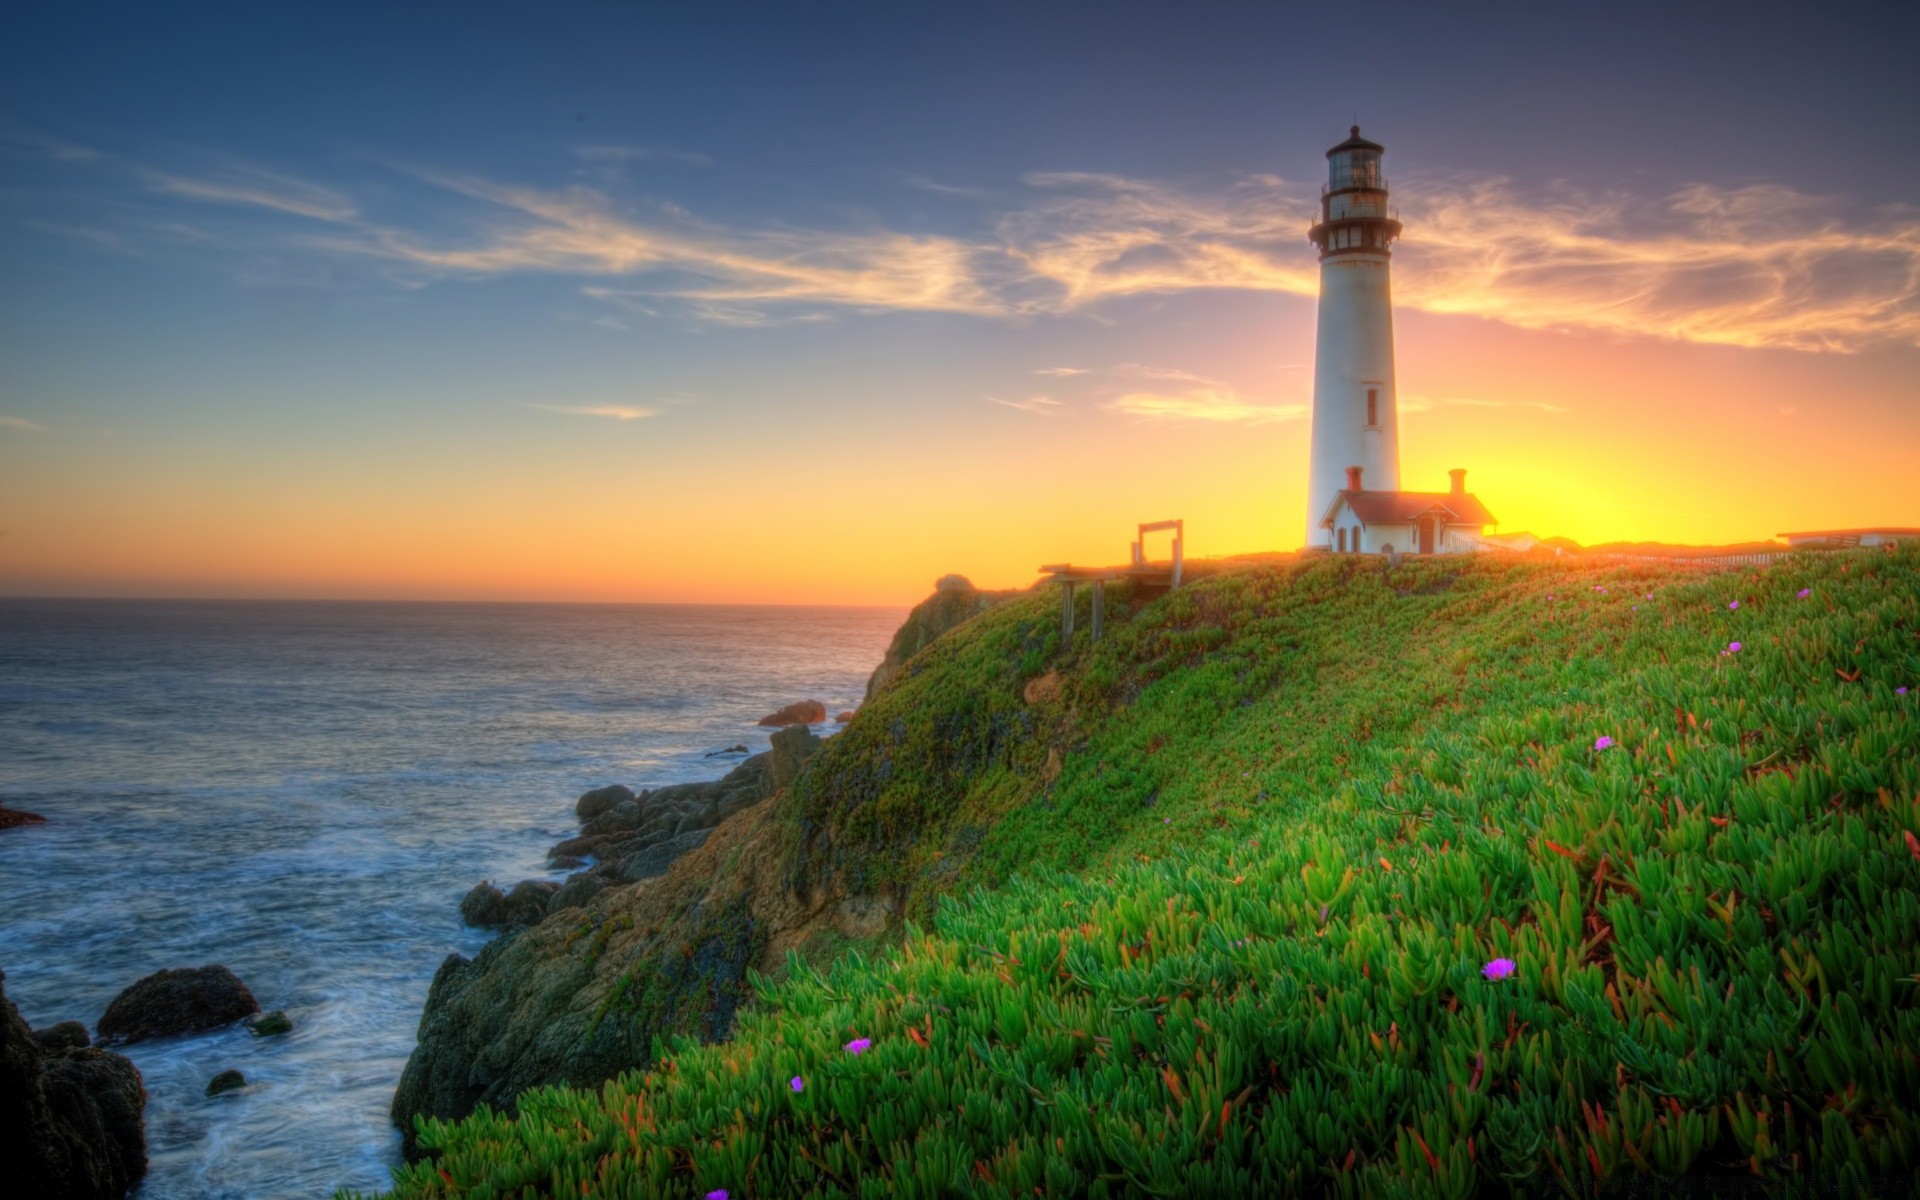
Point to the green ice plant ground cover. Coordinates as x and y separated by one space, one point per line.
1469 877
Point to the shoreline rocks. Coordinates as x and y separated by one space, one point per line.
527 1010
801 712
71 1122
10 817
225 1081
165 1003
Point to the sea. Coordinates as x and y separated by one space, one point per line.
304 791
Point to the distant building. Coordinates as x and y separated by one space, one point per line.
1356 422
1363 522
1838 538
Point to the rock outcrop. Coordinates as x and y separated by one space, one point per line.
9 817
707 882
70 1117
563 1000
954 601
801 712
172 1002
225 1081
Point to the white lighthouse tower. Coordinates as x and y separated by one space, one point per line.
1355 420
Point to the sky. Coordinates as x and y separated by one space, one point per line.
816 303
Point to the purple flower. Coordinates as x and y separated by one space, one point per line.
1732 604
1649 595
798 1084
1499 968
1602 742
1899 691
1733 647
858 1045
1323 914
1598 588
1803 593
717 1194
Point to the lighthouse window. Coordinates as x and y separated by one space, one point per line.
1373 406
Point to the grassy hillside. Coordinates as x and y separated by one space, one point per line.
1248 866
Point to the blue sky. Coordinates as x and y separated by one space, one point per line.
495 247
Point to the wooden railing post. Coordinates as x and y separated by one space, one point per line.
1066 612
1099 607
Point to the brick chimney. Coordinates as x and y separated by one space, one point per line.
1353 479
1459 476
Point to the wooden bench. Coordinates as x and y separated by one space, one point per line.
1151 576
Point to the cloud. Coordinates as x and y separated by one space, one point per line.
1165 394
1045 406
21 423
18 137
627 154
617 412
242 184
1060 372
579 231
922 183
1761 265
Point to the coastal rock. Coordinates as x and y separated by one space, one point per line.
67 1035
576 892
70 1118
790 747
225 1081
954 602
173 1002
655 860
843 718
803 712
485 907
619 819
592 804
740 749
672 942
565 862
269 1024
10 817
573 847
527 902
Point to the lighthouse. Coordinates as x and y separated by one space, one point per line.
1355 419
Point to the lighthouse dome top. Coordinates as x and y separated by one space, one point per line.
1356 142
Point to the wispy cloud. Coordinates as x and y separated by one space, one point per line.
617 412
22 423
240 184
19 137
923 184
579 231
1166 394
1060 372
627 154
1761 265
1045 406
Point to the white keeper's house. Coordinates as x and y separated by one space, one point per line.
1356 423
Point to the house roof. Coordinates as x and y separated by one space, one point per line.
1398 508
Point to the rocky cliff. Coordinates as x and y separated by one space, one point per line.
70 1115
582 995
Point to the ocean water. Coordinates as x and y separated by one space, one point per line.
304 791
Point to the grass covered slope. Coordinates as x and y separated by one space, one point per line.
1304 807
